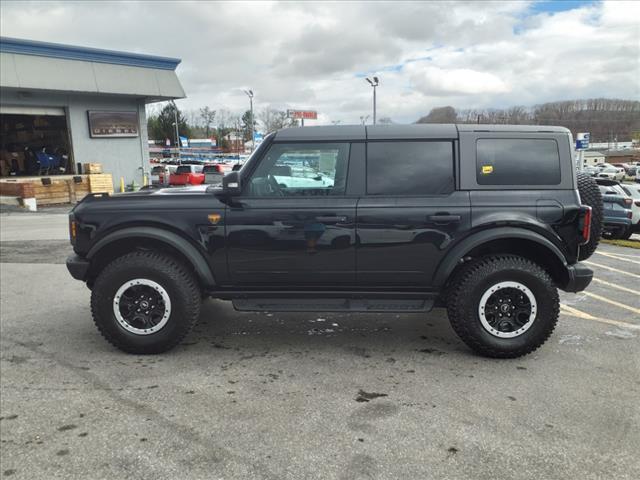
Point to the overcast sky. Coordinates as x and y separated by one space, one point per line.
316 55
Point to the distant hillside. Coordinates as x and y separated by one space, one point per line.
605 118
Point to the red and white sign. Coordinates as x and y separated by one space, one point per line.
304 114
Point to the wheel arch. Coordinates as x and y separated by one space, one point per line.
132 238
506 240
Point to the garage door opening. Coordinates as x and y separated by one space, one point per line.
34 143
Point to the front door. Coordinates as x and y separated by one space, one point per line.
294 225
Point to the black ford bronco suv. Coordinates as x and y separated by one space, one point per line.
487 221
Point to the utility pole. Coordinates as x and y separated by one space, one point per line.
249 94
374 84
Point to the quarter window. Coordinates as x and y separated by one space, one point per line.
294 170
502 161
410 168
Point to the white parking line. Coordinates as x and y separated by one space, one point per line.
621 254
574 312
616 257
618 287
612 269
612 302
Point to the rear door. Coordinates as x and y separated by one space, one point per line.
411 212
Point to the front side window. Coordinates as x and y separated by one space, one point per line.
304 169
517 161
410 168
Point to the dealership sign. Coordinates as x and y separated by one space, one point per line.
303 114
109 124
582 141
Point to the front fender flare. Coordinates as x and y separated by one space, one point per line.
181 244
448 264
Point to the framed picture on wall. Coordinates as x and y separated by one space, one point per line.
113 124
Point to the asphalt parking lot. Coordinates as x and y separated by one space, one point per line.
309 396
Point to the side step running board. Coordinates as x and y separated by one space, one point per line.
331 305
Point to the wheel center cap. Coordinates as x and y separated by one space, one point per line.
144 304
504 308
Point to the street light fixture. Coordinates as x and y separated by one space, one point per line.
249 93
374 83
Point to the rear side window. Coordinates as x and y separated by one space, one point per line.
502 161
410 168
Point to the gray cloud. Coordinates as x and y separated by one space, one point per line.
311 54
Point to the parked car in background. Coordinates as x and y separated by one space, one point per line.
629 168
631 195
612 173
591 171
187 175
616 213
158 174
213 174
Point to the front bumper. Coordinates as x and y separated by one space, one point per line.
78 267
579 278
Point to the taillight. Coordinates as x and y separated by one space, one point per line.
585 224
629 214
628 201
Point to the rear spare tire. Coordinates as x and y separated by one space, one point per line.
590 195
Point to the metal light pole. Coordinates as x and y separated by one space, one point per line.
374 83
249 94
175 118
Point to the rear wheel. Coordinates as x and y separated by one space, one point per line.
590 195
145 302
503 306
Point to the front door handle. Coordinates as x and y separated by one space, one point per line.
328 219
444 219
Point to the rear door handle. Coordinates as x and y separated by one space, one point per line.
328 219
444 219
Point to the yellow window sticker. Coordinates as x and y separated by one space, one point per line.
487 169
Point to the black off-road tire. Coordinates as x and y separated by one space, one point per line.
179 283
476 278
590 195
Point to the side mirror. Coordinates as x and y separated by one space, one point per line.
231 184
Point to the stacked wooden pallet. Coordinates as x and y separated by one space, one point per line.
101 183
61 191
92 168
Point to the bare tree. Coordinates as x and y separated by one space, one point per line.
272 119
207 116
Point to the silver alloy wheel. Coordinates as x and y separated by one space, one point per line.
142 306
507 309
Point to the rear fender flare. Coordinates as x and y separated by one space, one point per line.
451 260
181 244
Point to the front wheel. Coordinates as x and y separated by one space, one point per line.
503 306
145 302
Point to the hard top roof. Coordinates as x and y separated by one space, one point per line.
400 132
